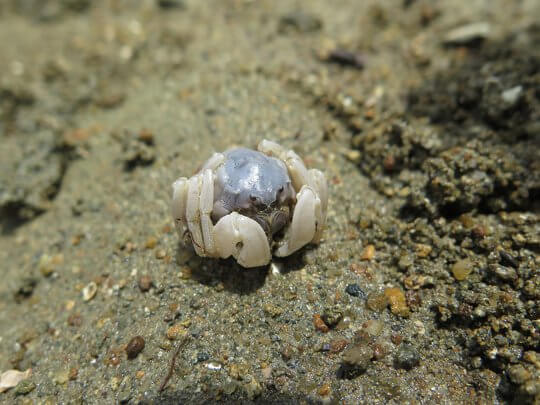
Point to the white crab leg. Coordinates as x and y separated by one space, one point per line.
193 214
178 206
318 182
243 238
303 228
206 205
213 162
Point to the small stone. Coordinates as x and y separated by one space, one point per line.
357 357
353 155
319 324
519 374
374 327
176 331
506 259
202 357
167 4
332 316
26 288
467 34
145 283
11 378
272 310
397 301
61 377
368 253
512 95
139 374
89 291
377 302
73 373
75 320
461 269
423 250
338 345
354 290
24 387
504 273
150 243
406 357
324 390
135 346
161 253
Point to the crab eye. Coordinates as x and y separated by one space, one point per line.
281 189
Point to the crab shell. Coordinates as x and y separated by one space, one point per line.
242 237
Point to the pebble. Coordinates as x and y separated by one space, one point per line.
145 283
319 324
11 378
357 357
338 345
461 269
161 253
324 390
24 387
272 310
332 316
354 290
89 291
511 96
467 34
74 320
151 243
202 357
377 302
368 253
397 301
506 259
176 331
167 4
135 346
519 374
423 250
406 357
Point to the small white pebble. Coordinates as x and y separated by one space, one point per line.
89 291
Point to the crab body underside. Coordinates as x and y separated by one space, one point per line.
248 204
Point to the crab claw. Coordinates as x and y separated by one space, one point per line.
307 219
243 238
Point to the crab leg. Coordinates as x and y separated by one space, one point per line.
206 205
178 206
295 166
213 162
318 182
243 238
193 214
306 219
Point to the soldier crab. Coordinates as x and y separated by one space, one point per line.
250 203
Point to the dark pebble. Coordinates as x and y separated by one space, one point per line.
506 259
406 357
202 356
346 58
165 4
26 289
355 290
135 346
